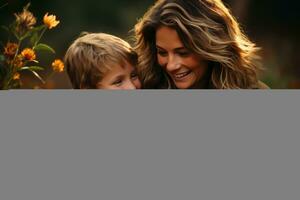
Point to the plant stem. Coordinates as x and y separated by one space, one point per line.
52 73
12 69
4 5
42 33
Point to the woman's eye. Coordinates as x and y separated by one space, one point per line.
162 53
184 53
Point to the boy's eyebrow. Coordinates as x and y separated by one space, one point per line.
134 70
118 76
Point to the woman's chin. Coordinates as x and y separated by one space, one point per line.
183 85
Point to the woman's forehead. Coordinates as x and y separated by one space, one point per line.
168 37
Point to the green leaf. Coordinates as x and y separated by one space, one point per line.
2 72
5 28
44 47
31 68
35 61
38 76
38 28
2 58
26 35
34 38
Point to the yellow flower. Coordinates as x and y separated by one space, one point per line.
16 76
18 62
58 65
25 20
50 21
28 54
10 49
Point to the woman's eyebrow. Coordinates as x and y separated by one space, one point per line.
176 49
180 48
158 47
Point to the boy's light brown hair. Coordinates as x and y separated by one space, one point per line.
93 54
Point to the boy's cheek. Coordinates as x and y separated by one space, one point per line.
138 85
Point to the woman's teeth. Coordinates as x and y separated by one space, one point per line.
181 75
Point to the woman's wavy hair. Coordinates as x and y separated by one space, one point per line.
205 27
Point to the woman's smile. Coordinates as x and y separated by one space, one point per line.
182 75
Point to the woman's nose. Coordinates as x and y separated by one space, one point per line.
172 64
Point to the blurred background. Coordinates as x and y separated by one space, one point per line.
274 25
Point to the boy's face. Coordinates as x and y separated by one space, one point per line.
120 78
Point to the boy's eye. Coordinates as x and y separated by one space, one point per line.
134 75
117 82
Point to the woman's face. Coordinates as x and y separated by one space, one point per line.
185 68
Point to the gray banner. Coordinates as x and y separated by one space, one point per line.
156 145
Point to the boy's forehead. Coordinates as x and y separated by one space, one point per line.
118 67
123 63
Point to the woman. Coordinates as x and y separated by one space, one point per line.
194 44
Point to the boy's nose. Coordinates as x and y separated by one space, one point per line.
130 86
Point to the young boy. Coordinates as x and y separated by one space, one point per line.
101 61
